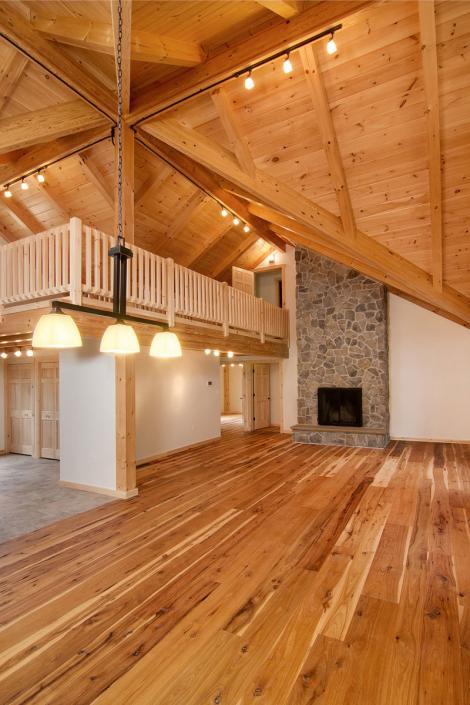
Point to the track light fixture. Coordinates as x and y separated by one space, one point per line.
246 228
230 354
224 212
24 185
287 65
4 355
17 353
249 82
7 193
236 221
40 177
29 353
331 45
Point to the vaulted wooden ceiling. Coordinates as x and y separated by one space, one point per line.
363 155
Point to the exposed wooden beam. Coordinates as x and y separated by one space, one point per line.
328 134
182 218
98 36
245 244
18 32
373 259
210 244
45 124
47 192
427 25
10 74
260 45
233 129
6 234
283 8
126 36
39 156
23 216
212 184
96 178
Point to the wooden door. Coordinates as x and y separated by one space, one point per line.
49 410
244 280
20 408
261 396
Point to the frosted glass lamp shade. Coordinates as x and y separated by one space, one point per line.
165 345
119 339
57 331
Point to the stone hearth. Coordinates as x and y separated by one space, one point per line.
342 342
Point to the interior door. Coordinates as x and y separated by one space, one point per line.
244 280
20 408
261 396
49 409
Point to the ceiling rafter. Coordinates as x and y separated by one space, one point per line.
234 255
283 8
427 25
319 97
40 156
152 183
282 197
210 183
23 216
233 130
48 193
10 74
98 36
18 32
42 125
95 177
263 43
183 216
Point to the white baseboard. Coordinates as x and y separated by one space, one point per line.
427 440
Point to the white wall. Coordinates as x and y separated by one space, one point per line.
429 374
288 401
87 402
2 405
175 406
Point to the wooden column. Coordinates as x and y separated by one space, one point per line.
125 368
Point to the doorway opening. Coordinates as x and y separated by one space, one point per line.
250 395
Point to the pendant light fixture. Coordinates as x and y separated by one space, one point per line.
165 345
56 331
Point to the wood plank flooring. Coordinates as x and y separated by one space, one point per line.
251 571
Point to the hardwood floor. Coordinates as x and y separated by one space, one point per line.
251 570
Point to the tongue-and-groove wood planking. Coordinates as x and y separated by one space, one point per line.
251 570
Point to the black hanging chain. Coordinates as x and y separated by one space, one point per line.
120 235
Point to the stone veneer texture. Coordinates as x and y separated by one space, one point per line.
342 342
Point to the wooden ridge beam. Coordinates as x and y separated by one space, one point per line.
10 74
41 155
233 130
206 180
46 124
283 8
328 134
279 35
98 36
19 33
427 25
93 175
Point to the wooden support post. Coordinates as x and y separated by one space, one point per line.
262 320
125 427
76 260
225 308
170 291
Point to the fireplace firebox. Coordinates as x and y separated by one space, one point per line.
339 406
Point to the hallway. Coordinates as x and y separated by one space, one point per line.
251 570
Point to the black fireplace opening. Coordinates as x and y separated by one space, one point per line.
339 406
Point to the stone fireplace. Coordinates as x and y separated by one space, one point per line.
342 342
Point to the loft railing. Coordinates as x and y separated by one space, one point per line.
72 260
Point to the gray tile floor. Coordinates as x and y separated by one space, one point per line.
30 496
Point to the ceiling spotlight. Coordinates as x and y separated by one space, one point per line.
331 46
240 364
230 354
216 353
24 185
29 353
222 365
7 193
17 353
40 177
236 221
232 364
246 228
224 212
249 83
207 351
4 355
287 65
